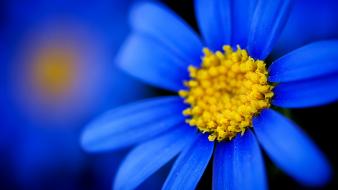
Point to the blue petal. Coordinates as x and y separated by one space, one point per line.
130 124
238 164
148 60
242 12
312 92
190 165
290 149
316 59
163 26
150 156
310 21
267 23
213 19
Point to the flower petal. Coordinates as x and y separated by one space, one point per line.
316 59
234 159
306 93
309 21
190 165
267 23
242 12
213 19
290 149
130 124
150 156
151 62
162 25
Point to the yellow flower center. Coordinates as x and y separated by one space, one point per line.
53 71
226 92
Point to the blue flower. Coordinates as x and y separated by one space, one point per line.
57 72
225 97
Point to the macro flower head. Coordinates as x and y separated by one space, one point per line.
226 95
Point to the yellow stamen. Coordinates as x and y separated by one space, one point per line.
226 92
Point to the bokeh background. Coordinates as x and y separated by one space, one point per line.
57 72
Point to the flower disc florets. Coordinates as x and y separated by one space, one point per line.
226 92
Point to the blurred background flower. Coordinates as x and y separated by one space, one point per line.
57 72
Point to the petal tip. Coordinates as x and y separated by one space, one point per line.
86 141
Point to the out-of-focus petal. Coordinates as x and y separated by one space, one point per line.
150 156
238 164
310 21
150 61
306 93
241 16
267 23
290 149
190 165
132 123
214 21
316 59
161 24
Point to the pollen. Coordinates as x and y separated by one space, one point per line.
226 92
